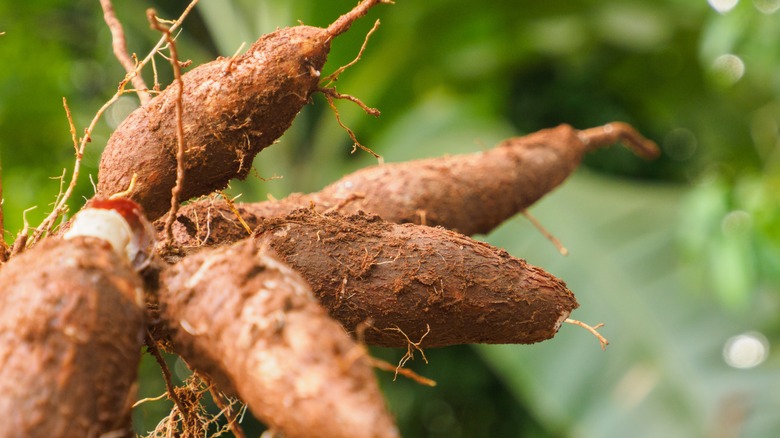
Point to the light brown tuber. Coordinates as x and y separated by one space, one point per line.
232 109
470 193
71 330
401 280
242 316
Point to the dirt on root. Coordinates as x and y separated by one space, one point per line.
242 316
233 108
404 281
470 193
71 332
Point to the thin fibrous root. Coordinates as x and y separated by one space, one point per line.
119 44
329 96
235 211
331 92
151 346
384 366
333 77
125 193
150 399
21 239
60 207
592 329
549 236
226 407
410 348
151 15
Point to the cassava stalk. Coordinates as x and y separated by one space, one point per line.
233 108
71 328
244 318
470 193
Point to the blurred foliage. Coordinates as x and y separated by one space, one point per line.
676 256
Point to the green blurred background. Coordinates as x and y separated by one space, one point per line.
679 257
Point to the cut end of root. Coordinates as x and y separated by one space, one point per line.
611 133
592 329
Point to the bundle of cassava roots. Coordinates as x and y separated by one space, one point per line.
273 302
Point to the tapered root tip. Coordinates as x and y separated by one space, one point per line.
343 23
611 133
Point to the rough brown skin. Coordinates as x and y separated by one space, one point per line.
71 330
367 271
232 109
250 322
470 193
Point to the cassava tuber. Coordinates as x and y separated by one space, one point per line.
71 332
232 109
470 193
246 319
401 280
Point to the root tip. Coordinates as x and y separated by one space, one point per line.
592 329
598 137
343 23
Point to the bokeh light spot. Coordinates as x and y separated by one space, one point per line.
747 350
735 222
723 6
767 6
117 112
680 144
729 68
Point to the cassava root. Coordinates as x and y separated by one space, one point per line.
246 314
470 193
71 331
243 317
402 280
232 109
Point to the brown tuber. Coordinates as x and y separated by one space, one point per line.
232 109
402 280
246 319
71 332
470 193
265 317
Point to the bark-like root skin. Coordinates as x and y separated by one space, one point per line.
233 108
245 318
400 280
469 193
71 330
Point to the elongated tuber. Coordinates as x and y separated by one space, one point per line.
71 330
233 108
470 193
402 280
243 317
